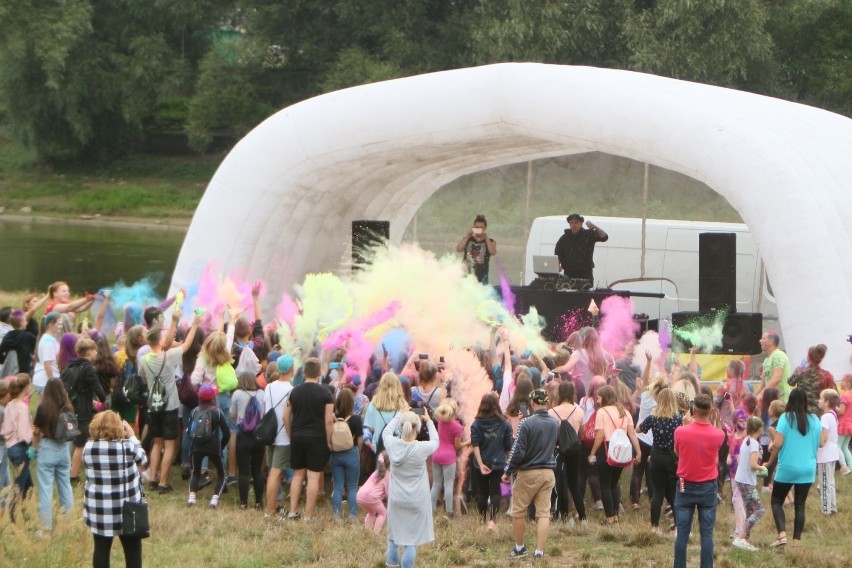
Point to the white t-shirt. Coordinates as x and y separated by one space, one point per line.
830 452
744 472
273 395
48 350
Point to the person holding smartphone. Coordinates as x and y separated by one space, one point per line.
478 249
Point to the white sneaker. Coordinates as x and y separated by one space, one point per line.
744 545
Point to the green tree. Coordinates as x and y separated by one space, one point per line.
80 79
226 99
709 41
813 52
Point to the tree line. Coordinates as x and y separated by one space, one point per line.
84 80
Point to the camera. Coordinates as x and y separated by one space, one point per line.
424 355
550 376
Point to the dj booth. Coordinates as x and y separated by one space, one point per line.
565 311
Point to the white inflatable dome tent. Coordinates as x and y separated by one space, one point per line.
281 203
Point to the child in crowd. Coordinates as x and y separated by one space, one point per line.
844 428
205 423
770 457
374 493
4 460
444 459
735 440
829 452
748 467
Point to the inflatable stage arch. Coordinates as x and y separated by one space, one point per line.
281 203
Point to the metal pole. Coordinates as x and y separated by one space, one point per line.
644 219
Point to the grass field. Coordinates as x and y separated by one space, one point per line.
230 538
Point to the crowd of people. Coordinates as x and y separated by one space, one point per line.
398 445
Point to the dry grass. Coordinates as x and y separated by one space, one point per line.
231 538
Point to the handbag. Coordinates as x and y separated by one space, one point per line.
588 438
134 514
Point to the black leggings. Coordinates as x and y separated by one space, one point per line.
216 460
609 477
132 551
567 482
249 461
588 474
800 497
488 487
663 474
639 470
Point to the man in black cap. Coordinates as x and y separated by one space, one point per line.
576 248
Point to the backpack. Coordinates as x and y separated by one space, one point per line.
341 436
251 415
567 441
619 450
588 437
157 393
201 427
380 445
129 388
267 430
67 427
423 434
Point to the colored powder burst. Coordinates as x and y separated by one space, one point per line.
287 310
572 321
665 334
649 343
142 292
397 342
326 305
525 335
215 292
352 337
438 302
617 324
703 331
506 289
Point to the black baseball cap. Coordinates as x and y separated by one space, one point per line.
575 217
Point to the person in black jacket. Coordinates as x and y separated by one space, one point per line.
81 382
533 461
491 438
207 444
16 348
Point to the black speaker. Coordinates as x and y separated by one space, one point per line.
740 333
717 272
366 236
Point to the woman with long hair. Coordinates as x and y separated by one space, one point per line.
387 402
518 408
568 465
249 450
811 377
346 464
589 474
589 360
187 366
67 350
47 352
112 457
797 437
491 438
105 365
17 430
213 367
53 466
409 503
59 300
610 417
664 419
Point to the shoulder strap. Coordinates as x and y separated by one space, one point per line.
431 394
572 412
557 414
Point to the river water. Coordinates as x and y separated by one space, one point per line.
88 257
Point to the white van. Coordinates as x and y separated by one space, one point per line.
671 262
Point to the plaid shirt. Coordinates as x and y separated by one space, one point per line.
111 478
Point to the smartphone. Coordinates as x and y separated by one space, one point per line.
424 355
334 365
418 411
477 231
441 359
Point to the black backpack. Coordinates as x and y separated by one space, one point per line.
202 424
380 445
129 388
567 441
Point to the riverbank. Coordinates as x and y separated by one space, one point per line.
177 224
